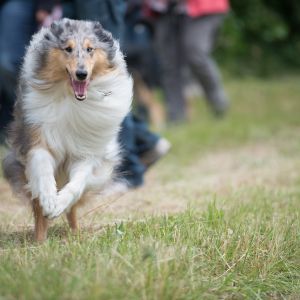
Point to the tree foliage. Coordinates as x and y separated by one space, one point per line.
261 36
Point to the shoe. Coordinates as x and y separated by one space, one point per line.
220 107
220 110
161 148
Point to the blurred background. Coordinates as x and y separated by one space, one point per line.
261 37
258 38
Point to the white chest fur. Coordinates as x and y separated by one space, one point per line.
80 128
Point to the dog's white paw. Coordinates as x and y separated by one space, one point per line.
59 209
63 201
48 203
44 188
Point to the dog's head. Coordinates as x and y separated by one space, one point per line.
77 51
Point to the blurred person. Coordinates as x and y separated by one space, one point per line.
186 31
16 27
142 63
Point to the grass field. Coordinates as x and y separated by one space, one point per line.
217 219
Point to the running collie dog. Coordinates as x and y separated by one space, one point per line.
74 93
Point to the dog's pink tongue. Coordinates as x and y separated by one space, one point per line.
80 89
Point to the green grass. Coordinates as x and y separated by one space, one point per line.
249 252
260 109
237 241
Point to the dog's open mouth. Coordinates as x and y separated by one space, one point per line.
80 88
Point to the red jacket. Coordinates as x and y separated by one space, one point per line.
196 8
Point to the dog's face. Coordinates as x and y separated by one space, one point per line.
78 51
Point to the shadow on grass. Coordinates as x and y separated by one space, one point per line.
25 237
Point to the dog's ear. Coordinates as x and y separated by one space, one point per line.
106 38
56 28
98 28
103 35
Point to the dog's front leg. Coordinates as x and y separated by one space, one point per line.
80 174
39 171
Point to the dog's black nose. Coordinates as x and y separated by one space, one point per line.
81 74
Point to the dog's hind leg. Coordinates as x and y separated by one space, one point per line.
14 173
41 223
72 219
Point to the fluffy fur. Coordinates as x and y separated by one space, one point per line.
64 136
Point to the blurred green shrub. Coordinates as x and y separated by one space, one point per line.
261 37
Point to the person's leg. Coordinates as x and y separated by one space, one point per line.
16 27
168 45
141 148
199 39
145 139
110 13
131 168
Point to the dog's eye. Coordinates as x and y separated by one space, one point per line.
68 49
89 49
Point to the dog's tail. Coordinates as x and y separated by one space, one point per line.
14 173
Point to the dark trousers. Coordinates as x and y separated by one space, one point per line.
135 139
110 13
181 41
16 27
